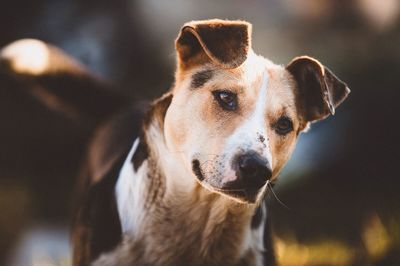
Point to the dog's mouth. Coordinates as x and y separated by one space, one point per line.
239 194
197 170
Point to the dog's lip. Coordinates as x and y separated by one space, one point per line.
244 196
197 170
241 196
237 195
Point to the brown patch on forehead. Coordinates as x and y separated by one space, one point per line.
200 78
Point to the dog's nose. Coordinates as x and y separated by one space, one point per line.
253 170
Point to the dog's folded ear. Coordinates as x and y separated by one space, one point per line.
222 42
319 90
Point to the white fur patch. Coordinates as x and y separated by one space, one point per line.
258 236
254 238
246 137
129 190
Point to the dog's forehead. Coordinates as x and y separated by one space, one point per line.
256 74
255 68
251 76
252 71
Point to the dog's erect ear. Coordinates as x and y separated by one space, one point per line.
320 91
222 42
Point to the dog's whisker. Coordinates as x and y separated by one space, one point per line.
269 186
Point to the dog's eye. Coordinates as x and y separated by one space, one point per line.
226 99
283 126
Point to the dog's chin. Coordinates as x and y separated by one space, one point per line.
237 195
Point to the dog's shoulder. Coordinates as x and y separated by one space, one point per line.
112 141
96 226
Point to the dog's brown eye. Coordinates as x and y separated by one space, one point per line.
226 99
283 126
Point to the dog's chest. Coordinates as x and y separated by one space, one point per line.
179 230
185 241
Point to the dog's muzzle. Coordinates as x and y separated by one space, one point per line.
252 173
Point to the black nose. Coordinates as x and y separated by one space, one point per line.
253 170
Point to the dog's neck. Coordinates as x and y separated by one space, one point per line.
162 208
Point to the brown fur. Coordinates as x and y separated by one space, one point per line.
187 221
225 43
212 231
209 234
320 91
200 78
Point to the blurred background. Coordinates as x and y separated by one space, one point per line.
341 189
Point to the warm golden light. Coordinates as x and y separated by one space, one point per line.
376 237
324 252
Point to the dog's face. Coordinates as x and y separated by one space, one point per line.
235 116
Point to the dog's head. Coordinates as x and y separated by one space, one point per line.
235 116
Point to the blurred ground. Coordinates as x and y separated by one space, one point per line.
342 184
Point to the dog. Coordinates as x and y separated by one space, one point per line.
186 184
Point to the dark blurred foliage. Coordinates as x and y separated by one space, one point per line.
353 171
